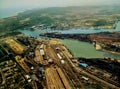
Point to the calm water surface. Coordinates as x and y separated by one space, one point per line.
85 49
78 48
35 33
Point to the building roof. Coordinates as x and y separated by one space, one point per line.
83 64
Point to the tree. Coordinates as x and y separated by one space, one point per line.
100 22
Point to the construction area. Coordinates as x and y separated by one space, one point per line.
49 64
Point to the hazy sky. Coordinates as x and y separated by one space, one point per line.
28 4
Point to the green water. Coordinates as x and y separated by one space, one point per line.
84 49
78 48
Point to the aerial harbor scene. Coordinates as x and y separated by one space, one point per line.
59 44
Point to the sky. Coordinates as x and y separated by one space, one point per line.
29 4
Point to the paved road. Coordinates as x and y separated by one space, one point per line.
70 66
81 71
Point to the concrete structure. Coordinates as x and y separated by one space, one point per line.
83 64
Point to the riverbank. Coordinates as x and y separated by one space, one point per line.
82 49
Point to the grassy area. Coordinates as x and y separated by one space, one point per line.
64 17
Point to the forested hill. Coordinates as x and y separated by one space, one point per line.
63 16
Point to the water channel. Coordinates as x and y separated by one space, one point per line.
78 48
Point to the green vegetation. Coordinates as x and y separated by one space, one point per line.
64 17
100 22
10 33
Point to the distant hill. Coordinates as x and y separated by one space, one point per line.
72 16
